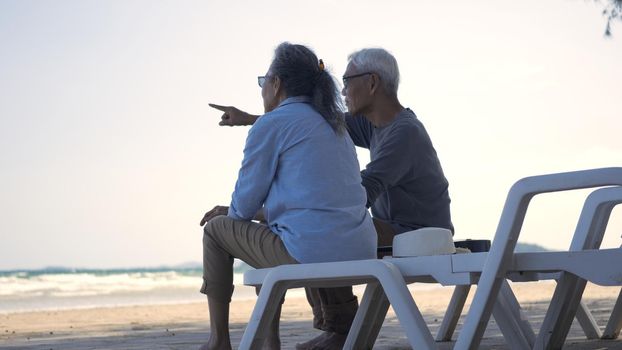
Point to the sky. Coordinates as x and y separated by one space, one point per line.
110 154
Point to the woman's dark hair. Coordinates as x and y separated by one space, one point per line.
302 75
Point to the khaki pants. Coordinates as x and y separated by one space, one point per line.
225 239
334 308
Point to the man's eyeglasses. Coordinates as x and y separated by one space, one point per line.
346 78
262 80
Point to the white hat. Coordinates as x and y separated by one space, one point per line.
424 241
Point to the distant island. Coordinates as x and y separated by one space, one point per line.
186 267
529 247
241 266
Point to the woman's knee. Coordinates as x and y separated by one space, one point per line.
215 225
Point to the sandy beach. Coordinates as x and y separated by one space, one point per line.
185 326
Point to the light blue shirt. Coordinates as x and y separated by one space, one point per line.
307 178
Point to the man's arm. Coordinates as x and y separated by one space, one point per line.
233 116
395 159
359 129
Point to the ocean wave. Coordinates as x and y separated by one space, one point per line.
55 288
79 288
94 284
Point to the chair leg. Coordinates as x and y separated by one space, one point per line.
517 313
268 301
454 310
509 308
479 313
368 319
612 331
509 323
561 312
406 309
587 322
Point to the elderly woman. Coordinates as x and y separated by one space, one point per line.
300 173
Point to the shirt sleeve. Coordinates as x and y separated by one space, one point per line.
396 158
261 154
360 130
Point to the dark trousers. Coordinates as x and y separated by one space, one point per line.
334 308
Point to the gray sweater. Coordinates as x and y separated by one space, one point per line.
404 180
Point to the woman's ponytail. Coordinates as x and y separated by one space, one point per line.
326 100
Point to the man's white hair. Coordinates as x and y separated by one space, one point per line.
381 62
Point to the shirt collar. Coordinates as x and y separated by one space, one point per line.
295 99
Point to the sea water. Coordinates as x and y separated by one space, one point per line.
67 288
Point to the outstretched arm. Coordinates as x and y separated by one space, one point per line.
233 116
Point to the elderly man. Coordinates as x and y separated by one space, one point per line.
405 185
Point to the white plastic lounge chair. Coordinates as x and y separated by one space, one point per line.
590 228
275 281
486 269
588 235
500 257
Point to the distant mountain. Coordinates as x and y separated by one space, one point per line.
238 265
187 265
529 247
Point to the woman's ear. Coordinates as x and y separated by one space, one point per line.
276 84
279 90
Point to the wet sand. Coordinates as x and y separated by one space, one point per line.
186 326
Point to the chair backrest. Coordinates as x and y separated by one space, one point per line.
594 218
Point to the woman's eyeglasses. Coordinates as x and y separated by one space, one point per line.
262 79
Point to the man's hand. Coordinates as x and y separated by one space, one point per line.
233 116
218 210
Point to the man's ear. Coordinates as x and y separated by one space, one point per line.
374 83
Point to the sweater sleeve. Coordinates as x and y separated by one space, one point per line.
360 130
261 154
396 159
